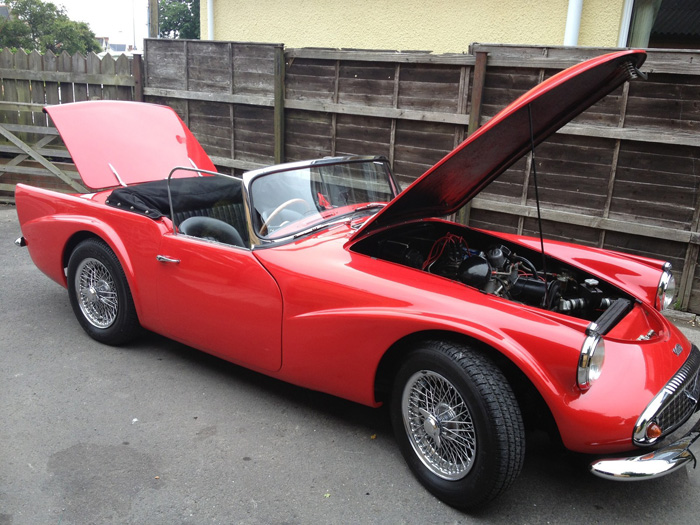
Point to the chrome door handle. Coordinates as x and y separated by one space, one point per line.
163 258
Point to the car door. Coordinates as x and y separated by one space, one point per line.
218 298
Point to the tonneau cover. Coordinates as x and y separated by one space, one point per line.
151 198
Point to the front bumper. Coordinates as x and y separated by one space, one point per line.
653 464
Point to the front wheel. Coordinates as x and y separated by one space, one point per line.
99 293
457 423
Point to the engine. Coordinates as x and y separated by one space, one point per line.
497 269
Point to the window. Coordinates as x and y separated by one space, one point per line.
671 24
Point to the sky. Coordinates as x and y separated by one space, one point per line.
123 21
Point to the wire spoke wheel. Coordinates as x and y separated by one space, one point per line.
457 422
99 293
96 291
439 425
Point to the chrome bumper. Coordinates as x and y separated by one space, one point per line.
653 464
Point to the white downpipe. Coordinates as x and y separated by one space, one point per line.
625 23
573 22
210 19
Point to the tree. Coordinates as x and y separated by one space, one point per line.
39 25
178 18
15 33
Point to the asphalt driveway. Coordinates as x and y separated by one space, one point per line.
157 432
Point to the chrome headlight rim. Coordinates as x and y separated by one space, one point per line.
591 358
666 289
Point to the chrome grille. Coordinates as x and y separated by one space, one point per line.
674 404
685 388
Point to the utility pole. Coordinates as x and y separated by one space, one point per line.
153 29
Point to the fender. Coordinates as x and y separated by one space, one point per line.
304 335
590 422
400 301
52 223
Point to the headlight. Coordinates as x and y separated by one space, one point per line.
666 289
590 362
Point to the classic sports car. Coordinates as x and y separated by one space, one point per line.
325 274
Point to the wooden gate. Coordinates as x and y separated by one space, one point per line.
30 148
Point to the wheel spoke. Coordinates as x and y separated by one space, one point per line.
97 296
439 425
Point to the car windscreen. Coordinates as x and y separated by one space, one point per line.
290 201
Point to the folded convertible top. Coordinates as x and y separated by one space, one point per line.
151 198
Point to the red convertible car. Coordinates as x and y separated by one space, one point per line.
325 274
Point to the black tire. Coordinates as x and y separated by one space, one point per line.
100 295
457 423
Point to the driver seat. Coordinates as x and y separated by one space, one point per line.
212 229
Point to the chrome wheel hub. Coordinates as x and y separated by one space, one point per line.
439 425
431 425
97 295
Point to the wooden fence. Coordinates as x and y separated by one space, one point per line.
229 94
622 176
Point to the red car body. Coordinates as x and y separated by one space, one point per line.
325 310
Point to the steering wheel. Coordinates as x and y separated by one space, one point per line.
279 209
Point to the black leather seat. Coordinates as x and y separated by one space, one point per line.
231 213
212 229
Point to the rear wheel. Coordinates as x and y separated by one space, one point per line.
457 423
99 293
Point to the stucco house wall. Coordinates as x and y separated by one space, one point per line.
447 26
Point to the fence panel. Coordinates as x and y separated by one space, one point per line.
410 107
224 91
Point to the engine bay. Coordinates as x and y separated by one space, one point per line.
494 266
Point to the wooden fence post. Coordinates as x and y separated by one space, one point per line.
137 73
278 117
477 91
8 88
475 114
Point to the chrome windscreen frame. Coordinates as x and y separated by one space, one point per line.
683 386
249 178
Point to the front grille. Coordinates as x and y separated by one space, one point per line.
676 402
684 389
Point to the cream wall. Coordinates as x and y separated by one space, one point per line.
447 26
